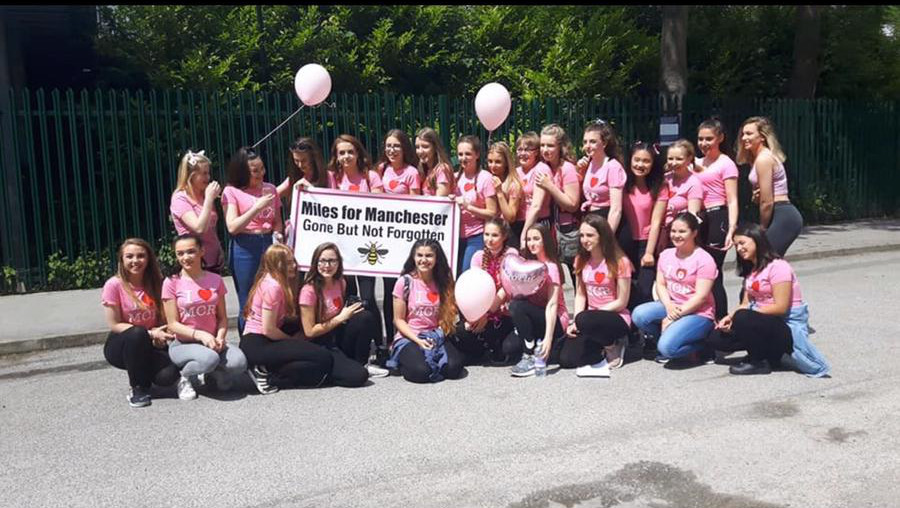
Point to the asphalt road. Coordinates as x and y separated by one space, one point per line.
647 437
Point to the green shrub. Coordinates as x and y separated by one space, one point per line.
89 270
8 280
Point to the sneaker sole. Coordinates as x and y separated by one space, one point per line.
139 404
262 391
522 374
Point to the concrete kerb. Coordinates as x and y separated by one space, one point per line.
98 337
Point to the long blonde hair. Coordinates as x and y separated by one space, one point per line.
770 140
190 162
512 176
151 281
274 263
566 150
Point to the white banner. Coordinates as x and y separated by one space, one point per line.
374 232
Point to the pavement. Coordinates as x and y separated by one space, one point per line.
45 321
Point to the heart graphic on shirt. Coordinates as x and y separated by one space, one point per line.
594 182
206 294
354 188
469 186
680 273
598 277
433 297
393 184
337 302
148 300
755 285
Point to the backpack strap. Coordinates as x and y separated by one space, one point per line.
406 285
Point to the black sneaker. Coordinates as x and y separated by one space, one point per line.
750 368
260 377
139 397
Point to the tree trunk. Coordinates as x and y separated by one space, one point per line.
674 51
807 46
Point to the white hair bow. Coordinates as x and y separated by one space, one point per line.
194 158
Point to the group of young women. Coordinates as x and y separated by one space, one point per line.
643 245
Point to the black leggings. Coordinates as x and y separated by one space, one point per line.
642 284
596 330
497 337
714 230
387 305
415 369
763 336
364 287
530 324
513 240
291 362
133 350
354 337
785 226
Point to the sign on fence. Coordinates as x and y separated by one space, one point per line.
374 232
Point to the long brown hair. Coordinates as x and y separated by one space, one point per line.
550 249
443 278
363 161
274 263
441 161
609 248
316 279
409 153
613 148
151 280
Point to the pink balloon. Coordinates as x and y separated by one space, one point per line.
522 277
312 84
492 105
474 293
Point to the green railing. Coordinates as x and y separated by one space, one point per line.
84 170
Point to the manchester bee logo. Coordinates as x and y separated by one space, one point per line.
372 253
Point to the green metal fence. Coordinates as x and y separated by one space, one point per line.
83 170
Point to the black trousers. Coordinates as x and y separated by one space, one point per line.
596 330
387 306
530 324
364 287
498 338
133 351
713 232
763 336
415 369
643 278
291 362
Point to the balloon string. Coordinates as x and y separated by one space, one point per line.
279 125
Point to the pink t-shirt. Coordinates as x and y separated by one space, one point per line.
680 192
475 191
402 182
268 296
601 288
244 199
567 174
443 176
493 269
334 298
196 300
115 295
758 285
713 180
598 181
359 184
638 209
681 277
528 190
779 180
541 297
182 204
423 306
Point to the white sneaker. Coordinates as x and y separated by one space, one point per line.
376 371
600 369
186 389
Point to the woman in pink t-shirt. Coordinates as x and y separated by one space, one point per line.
137 332
604 178
343 328
493 333
646 195
541 319
564 189
534 207
684 314
476 198
306 168
685 192
278 355
194 301
434 164
397 167
602 290
425 313
508 188
193 206
772 320
718 174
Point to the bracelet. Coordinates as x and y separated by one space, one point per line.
193 332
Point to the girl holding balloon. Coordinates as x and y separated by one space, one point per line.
476 198
494 332
434 164
542 317
508 187
397 168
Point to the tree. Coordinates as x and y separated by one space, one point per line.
807 45
673 68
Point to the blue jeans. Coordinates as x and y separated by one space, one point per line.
681 338
245 253
467 248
